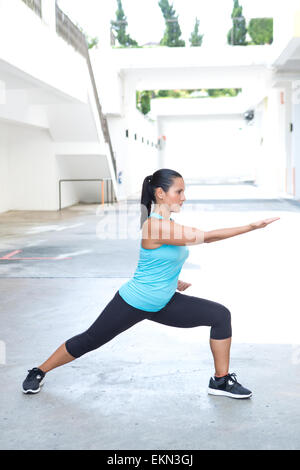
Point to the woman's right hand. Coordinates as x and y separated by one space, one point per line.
263 223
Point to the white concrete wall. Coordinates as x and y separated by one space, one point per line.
49 121
118 71
30 178
264 146
30 170
204 106
135 159
40 91
209 146
5 194
285 80
82 167
33 47
272 157
109 80
17 106
183 57
295 153
285 139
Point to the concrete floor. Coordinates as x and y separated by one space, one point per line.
146 389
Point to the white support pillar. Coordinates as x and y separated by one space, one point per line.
129 95
270 165
2 92
296 141
49 13
285 140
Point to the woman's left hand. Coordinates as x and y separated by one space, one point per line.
183 285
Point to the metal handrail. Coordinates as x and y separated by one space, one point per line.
110 200
35 5
102 117
69 31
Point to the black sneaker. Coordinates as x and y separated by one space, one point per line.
228 386
33 380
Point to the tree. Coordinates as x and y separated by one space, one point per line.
220 92
237 34
92 42
196 38
143 101
163 93
120 25
172 32
261 30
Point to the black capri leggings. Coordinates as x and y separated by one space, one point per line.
182 311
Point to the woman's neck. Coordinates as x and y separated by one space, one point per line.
163 210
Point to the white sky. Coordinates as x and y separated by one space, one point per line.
146 23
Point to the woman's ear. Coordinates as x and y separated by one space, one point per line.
159 193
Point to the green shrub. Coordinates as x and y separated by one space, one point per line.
261 30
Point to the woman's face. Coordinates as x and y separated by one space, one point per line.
175 197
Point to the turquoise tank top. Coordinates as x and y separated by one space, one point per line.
156 276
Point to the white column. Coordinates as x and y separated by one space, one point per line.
129 95
296 141
2 92
288 143
268 173
49 13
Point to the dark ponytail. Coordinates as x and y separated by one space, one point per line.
162 178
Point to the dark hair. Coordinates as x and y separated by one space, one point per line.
162 178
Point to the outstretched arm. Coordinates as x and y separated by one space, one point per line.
221 234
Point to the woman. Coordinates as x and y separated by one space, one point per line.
151 293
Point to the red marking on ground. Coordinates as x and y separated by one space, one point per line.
12 259
10 255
